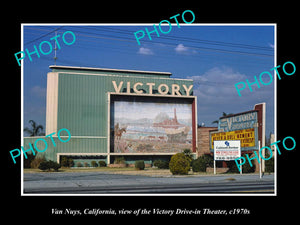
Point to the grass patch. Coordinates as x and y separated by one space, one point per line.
155 172
80 169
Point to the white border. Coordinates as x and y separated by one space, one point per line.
22 108
150 24
275 108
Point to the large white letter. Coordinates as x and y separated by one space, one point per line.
117 88
187 90
150 87
175 89
135 90
166 89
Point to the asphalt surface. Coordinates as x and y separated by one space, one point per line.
106 183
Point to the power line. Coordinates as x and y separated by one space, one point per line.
220 43
130 39
43 36
174 45
114 44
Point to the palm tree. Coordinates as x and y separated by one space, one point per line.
224 114
35 130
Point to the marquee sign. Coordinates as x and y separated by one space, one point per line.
238 122
242 127
246 137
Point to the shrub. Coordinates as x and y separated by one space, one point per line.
102 164
188 153
66 162
44 166
36 162
246 168
209 160
269 164
79 164
47 165
139 165
201 163
94 164
179 164
161 164
53 165
86 164
119 160
71 162
29 160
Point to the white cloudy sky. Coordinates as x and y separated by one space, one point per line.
216 94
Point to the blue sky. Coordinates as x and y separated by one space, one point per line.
215 57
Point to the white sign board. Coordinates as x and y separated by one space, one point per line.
227 150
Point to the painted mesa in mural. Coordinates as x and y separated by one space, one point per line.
152 127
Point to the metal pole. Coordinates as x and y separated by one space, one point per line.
215 167
263 165
241 168
55 50
259 160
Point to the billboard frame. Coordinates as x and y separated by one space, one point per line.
194 123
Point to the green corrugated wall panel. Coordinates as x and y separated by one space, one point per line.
82 107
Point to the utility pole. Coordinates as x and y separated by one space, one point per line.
55 50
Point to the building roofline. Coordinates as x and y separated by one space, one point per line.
109 70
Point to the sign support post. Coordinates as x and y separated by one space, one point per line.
215 171
241 168
260 164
